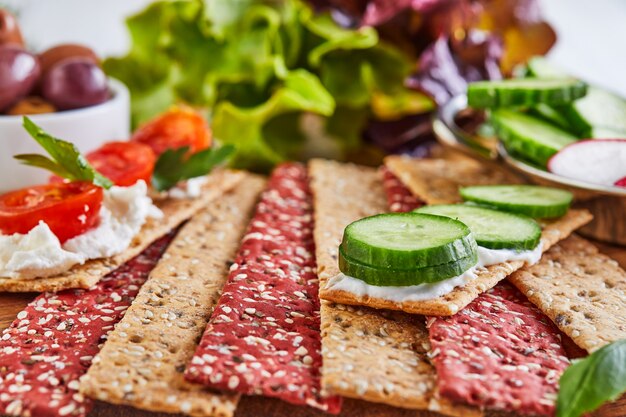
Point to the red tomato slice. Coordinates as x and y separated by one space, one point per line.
69 208
178 127
124 163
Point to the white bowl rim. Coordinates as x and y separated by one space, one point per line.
119 93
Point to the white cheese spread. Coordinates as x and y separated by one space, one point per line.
26 256
39 254
192 188
422 292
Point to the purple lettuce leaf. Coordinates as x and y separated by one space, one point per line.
446 67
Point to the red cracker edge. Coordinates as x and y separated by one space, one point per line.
263 337
500 352
399 197
53 340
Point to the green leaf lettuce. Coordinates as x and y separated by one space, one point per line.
258 66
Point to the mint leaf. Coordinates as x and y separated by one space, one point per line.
173 165
65 160
592 381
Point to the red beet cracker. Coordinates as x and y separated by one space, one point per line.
53 340
263 336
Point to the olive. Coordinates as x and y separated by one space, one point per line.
52 56
31 105
19 71
74 83
9 29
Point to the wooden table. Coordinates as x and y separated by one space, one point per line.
11 304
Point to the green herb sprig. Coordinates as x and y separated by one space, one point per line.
65 160
173 165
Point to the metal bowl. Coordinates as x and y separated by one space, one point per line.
607 203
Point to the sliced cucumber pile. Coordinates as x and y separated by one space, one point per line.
531 200
538 115
524 92
406 249
414 241
599 110
530 137
491 228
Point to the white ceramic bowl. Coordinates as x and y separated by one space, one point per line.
87 128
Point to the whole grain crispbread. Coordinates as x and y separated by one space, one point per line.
143 360
581 290
175 211
437 181
451 303
375 355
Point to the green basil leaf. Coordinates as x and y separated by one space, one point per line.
40 161
65 159
592 381
173 165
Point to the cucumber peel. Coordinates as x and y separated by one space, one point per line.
531 200
492 229
524 92
529 136
391 277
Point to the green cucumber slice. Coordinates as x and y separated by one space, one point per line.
391 277
607 133
491 228
551 114
532 200
528 136
524 92
539 67
599 108
407 240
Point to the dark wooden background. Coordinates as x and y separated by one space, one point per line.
11 304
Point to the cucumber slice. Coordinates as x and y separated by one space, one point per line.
607 133
391 277
551 114
492 229
524 92
531 200
600 108
407 240
528 136
539 67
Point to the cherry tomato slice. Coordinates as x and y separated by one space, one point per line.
178 127
69 208
124 163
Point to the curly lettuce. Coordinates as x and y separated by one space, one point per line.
261 69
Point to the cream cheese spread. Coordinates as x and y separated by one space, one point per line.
191 188
422 292
39 254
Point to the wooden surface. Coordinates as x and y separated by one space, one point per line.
11 304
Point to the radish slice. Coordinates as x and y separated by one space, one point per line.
599 161
621 182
